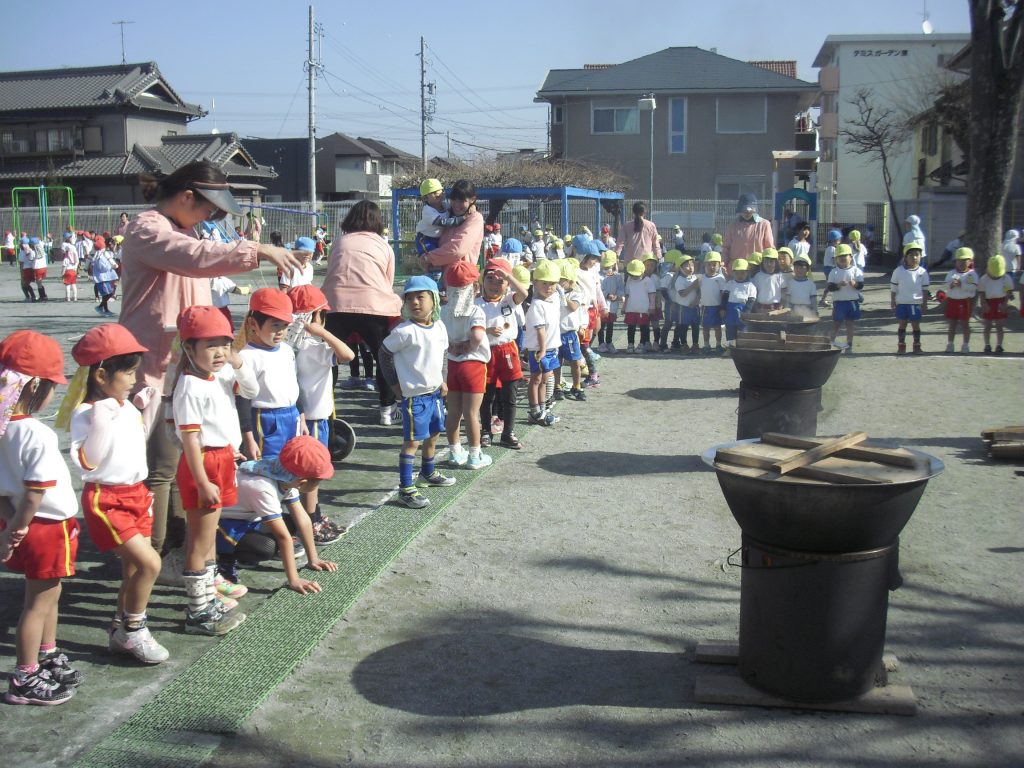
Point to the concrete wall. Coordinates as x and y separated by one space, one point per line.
148 130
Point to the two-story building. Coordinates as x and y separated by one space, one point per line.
95 129
715 124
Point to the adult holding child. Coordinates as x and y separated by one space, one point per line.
166 267
359 287
463 242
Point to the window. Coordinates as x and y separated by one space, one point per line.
930 139
742 114
677 126
556 115
615 120
730 188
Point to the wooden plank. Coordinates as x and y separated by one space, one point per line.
819 452
987 433
729 688
718 652
1006 451
1006 437
896 458
738 458
790 337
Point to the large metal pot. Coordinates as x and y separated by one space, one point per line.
818 517
784 368
788 323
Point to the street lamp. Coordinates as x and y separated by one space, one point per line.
648 104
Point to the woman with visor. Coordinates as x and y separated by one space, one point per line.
166 267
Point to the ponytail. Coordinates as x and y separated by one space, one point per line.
639 209
155 189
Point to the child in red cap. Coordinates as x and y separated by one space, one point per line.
108 445
317 351
263 486
207 425
38 530
272 418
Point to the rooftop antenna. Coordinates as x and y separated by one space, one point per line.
122 23
926 25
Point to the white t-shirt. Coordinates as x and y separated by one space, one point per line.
995 287
419 352
849 274
769 287
967 287
570 318
425 226
537 249
909 285
799 247
711 290
313 361
459 329
860 256
613 285
685 281
30 459
274 369
740 293
259 498
500 314
125 461
636 292
543 314
220 291
207 405
829 259
301 276
1011 252
799 292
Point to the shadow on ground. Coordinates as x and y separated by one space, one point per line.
611 464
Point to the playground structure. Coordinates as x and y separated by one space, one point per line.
42 210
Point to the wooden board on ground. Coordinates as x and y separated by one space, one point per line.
728 652
1006 450
988 434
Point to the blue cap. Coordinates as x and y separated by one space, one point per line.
307 244
24 241
419 283
835 234
590 248
68 234
34 241
511 245
580 241
747 200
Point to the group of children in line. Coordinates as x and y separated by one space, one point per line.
273 400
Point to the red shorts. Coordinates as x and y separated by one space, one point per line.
220 469
638 318
584 334
48 550
70 277
996 310
116 513
611 317
958 309
504 365
467 376
592 318
656 316
38 274
27 275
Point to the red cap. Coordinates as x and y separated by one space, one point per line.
203 323
489 228
497 227
498 265
307 458
103 342
461 273
307 298
272 302
99 242
33 354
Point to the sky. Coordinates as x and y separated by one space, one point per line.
244 61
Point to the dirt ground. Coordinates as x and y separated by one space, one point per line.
549 616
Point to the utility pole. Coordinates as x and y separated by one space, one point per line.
423 103
313 66
122 23
449 135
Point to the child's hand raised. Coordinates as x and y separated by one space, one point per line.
314 329
304 587
234 359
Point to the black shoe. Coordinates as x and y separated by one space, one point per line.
37 688
60 670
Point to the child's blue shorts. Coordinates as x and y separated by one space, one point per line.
733 310
230 531
274 427
425 244
910 312
320 429
846 310
570 349
547 363
672 312
691 315
422 416
709 317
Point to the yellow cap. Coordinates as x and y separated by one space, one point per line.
769 253
559 243
843 250
740 265
713 258
716 239
912 246
802 259
685 258
429 187
538 233
782 250
964 254
854 234
997 266
635 268
569 269
650 257
608 259
547 271
521 273
754 258
673 256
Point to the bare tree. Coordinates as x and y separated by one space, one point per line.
997 93
876 132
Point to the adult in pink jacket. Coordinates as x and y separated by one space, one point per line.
461 243
360 288
639 237
166 267
747 233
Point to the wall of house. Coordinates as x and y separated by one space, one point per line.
147 130
711 158
350 174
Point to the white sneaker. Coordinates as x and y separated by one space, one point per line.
457 456
949 348
478 461
139 644
388 414
171 569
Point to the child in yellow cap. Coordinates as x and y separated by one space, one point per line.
995 287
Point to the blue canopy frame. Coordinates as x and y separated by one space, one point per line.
519 193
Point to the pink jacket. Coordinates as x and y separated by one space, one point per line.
361 276
743 237
459 243
636 245
164 270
